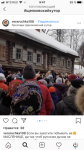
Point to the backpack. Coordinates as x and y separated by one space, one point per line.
27 99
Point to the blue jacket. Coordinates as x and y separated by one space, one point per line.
55 100
1 70
54 97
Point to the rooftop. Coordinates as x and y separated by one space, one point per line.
44 39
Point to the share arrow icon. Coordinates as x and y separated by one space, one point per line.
23 119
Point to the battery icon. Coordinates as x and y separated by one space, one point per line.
79 2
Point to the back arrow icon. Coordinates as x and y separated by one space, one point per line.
4 8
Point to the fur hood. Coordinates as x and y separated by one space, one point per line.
2 77
71 91
80 99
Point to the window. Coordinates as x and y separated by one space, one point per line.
62 62
38 58
29 56
18 53
68 63
54 60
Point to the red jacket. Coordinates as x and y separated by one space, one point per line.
3 86
47 100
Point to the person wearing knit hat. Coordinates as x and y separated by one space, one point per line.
2 82
29 72
52 89
72 77
31 97
54 97
79 98
77 83
67 106
59 80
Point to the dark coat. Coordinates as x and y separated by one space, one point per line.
67 107
4 110
60 89
54 97
53 74
5 103
55 101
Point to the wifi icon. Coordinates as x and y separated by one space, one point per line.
23 119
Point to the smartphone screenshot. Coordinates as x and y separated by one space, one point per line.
42 75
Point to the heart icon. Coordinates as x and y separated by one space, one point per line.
5 120
58 144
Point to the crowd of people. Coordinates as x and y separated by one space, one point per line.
32 93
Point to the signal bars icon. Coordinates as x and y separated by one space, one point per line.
10 2
23 119
20 2
3 2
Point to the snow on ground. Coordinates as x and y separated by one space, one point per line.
77 69
44 39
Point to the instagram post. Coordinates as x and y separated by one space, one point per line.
41 88
40 73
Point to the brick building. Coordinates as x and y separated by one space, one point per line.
21 47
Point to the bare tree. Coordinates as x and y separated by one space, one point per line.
57 34
70 37
81 54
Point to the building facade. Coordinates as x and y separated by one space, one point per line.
16 51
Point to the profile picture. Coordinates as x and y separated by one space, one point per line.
75 145
5 22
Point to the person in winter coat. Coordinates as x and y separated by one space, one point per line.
80 95
72 77
9 77
59 80
2 82
13 86
60 90
5 104
6 98
50 78
67 106
47 105
54 97
53 74
1 70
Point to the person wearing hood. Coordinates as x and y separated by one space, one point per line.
60 88
2 82
67 106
